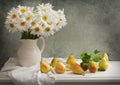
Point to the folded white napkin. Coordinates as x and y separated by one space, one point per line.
27 75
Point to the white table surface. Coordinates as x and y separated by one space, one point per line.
111 75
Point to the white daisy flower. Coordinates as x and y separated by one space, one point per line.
24 9
61 16
53 19
10 26
61 20
37 30
13 15
45 18
43 21
44 7
43 24
33 23
28 17
59 25
22 25
48 31
48 18
50 23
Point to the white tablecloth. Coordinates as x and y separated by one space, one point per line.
32 76
27 75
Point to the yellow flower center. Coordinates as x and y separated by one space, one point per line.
37 29
33 12
60 19
43 9
22 23
23 10
14 16
50 23
11 25
47 29
44 18
27 18
33 23
57 24
43 25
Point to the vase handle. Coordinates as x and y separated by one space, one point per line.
43 46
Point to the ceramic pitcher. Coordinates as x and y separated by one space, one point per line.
28 53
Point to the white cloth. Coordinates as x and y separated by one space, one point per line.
27 75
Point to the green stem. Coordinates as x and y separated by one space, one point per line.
28 35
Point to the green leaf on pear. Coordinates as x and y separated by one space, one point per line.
96 58
86 57
96 51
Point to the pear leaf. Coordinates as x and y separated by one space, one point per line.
96 51
84 66
85 56
96 58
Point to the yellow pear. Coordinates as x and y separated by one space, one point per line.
92 66
54 61
68 66
70 59
44 67
77 69
60 68
104 55
103 64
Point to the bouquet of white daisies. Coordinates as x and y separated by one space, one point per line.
35 22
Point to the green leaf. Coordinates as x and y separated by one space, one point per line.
96 58
101 69
85 56
28 35
82 55
96 51
84 66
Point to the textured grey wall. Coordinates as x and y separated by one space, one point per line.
92 24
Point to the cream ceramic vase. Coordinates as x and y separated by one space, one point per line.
28 53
